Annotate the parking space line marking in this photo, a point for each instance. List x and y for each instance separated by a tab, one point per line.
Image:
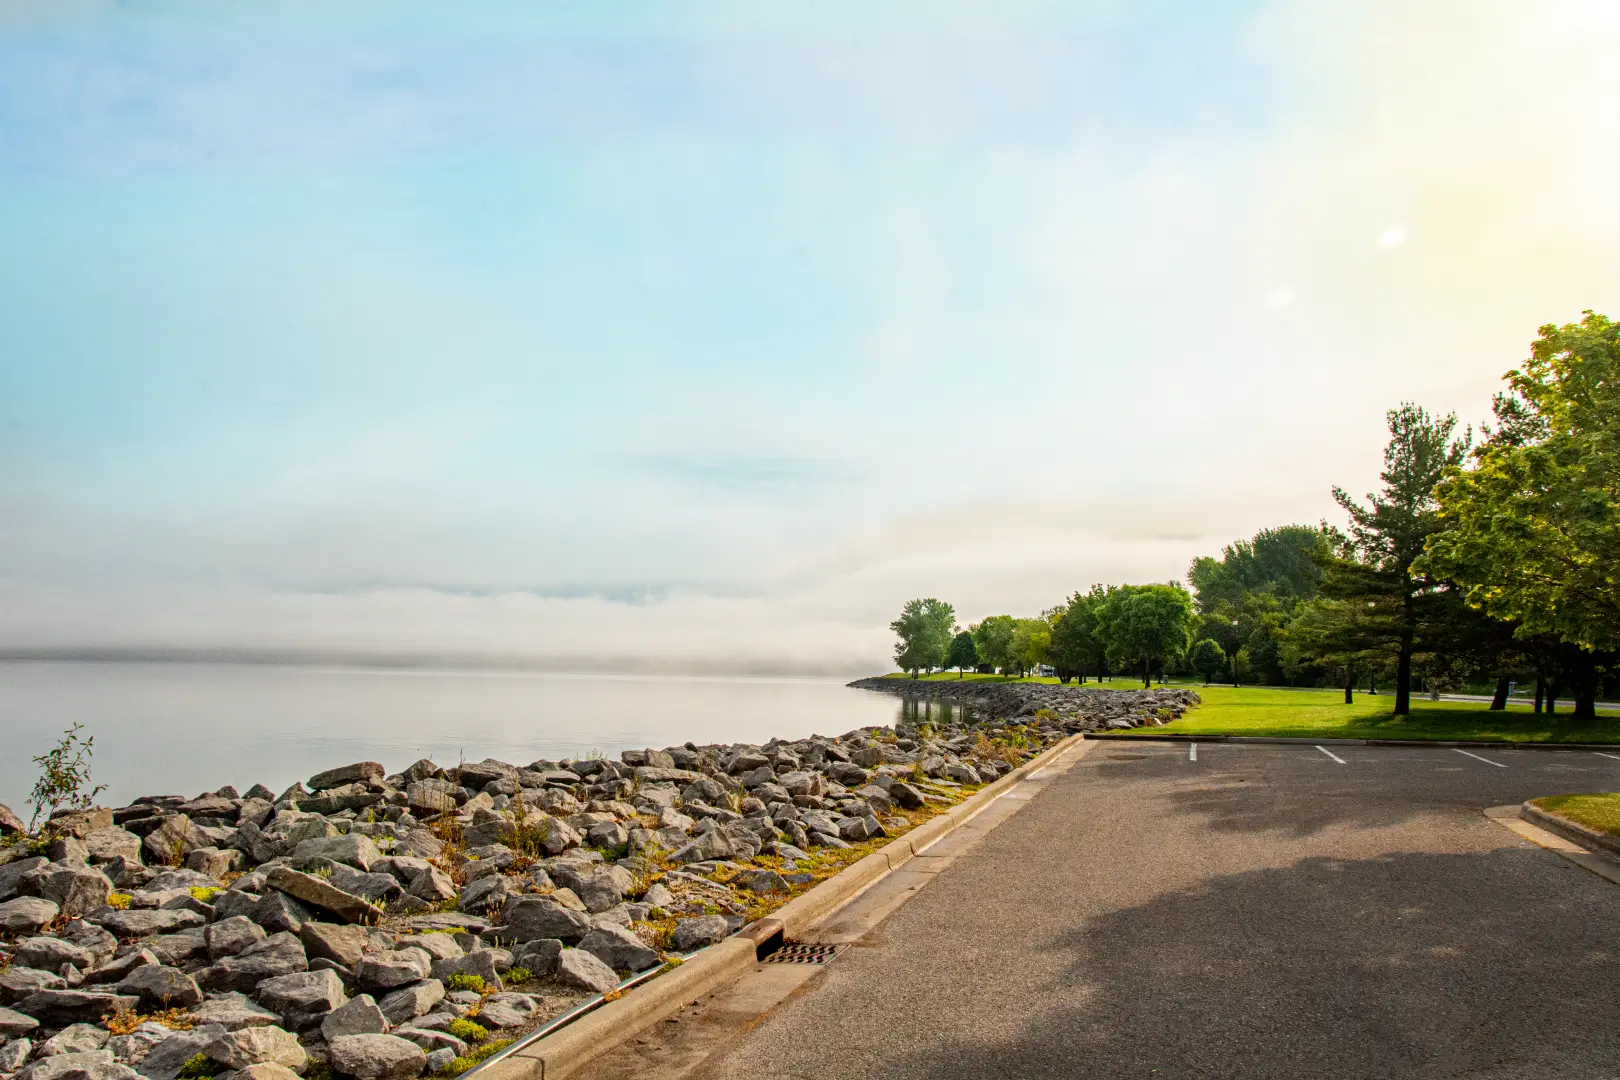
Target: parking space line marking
1611	757
1331	754
1192	751
1476	757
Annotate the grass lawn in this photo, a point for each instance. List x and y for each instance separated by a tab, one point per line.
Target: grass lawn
1322	714
1600	813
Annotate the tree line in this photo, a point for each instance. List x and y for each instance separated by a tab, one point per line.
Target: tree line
1490	559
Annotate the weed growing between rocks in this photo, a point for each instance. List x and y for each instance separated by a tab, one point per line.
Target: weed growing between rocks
64	777
467	1061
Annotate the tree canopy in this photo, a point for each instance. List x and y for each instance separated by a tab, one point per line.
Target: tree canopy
924	628
1146	624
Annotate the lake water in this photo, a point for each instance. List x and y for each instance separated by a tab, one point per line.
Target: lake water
171	728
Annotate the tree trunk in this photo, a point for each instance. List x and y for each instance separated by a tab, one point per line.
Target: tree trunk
1349	686
1147	674
1403	681
1553	690
1541	687
1499	699
1584	681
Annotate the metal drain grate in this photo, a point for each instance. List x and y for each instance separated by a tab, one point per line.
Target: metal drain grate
799	952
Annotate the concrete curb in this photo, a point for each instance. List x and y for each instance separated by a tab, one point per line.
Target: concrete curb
1448	744
575	1046
1569	830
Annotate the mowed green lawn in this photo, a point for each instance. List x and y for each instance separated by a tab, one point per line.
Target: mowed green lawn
1600	813
1322	714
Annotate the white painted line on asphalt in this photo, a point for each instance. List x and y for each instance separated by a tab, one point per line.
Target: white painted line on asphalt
1192	751
1331	754
1611	757
1476	757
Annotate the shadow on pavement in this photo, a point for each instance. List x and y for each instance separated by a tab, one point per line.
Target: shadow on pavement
1411	965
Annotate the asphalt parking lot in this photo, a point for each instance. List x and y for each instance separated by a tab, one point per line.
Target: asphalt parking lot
1223	910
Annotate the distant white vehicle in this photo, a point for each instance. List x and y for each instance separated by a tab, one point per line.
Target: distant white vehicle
1048	670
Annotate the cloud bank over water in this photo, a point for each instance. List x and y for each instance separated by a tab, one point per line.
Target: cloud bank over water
636	338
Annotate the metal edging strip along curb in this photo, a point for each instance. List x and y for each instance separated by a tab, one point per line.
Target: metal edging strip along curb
566	1049
1444	744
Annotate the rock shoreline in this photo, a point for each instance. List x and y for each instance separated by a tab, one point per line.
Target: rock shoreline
1080	708
382	925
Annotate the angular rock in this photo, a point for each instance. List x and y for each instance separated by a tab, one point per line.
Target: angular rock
358	1016
58	1008
26	914
530	917
213	861
255	1045
14	1024
575	967
179	950
105	845
17	983
361	772
700	932
486	894
92	1065
377	1057
12	873
74	1039
279	913
708	847
389	970
761	881
14	1054
619	949
351	850
233	1012
117	969
433	885
229	937
277	956
905	796
164	1060
340	944
303	999
409	1002
49	954
160	987
139	924
539	956
320	894
484	963
265	1070
598	887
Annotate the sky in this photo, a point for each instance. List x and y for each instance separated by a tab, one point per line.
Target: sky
705	335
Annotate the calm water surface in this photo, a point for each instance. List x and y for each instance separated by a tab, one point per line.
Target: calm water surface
188	728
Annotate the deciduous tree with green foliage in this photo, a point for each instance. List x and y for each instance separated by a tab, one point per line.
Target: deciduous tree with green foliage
1146	624
994	639
963	653
1075	648
1208	659
924	628
1533	526
1031	640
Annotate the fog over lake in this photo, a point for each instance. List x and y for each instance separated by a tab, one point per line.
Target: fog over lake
186	728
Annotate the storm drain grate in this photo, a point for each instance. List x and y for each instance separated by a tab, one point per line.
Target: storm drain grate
799	952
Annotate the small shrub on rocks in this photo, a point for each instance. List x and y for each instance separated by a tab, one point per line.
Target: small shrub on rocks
463	980
198	1066
519	975
467	1031
467	1061
118	901
205	893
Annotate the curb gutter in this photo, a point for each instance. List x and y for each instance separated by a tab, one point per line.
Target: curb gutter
573	1047
1569	830
1452	744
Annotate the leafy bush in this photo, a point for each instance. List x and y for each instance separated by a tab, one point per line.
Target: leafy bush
203	893
519	975
463	980
64	777
118	901
467	1030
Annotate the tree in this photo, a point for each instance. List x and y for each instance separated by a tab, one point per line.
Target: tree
963	653
924	628
1074	645
1388	535
1031	640
1209	659
1146	624
1534	525
994	639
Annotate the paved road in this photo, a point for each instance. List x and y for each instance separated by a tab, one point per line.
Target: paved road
1257	912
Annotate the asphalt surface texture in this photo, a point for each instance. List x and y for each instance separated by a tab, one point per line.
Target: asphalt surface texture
1257	912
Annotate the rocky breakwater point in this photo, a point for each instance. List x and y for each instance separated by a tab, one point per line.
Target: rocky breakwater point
1077	708
382	926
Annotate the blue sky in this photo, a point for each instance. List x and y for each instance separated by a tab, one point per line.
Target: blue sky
706	333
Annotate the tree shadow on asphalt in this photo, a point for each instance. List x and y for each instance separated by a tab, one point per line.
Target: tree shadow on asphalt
1412	965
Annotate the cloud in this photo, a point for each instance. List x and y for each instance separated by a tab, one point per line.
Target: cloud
1392	237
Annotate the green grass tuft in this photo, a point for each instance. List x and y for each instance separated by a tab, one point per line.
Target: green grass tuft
1600	813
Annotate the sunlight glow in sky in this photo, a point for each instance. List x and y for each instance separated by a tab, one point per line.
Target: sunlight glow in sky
616	333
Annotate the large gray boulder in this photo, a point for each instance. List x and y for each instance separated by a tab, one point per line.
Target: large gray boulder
339	944
346	907
12	873
361	772
105	845
253	1045
619	949
575	967
391	970
303	999
409	1002
144	923
377	1057
233	1012
232	936
59	1008
50	953
359	1016
599	887
14	1024
92	1065
352	849
26	914
17	983
700	932
275	956
163	1061
161	987
74	1039
530	917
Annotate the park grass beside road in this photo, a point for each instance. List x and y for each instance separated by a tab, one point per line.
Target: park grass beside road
1278	712
1600	813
